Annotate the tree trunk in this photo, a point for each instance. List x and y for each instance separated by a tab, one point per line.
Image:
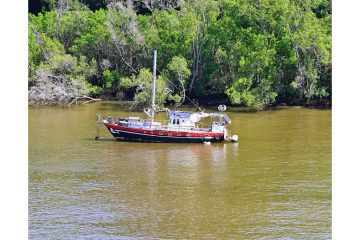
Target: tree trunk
197	50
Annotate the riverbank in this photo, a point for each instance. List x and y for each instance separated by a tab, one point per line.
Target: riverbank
127	105
213	101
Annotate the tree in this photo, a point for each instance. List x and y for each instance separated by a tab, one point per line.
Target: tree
178	70
311	41
127	39
60	77
255	86
143	83
152	5
203	13
254	53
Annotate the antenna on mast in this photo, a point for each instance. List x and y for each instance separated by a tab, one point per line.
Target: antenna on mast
153	89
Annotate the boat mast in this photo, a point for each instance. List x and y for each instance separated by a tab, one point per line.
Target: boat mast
153	89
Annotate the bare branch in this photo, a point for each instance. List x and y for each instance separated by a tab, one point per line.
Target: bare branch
151	5
56	89
122	25
83	97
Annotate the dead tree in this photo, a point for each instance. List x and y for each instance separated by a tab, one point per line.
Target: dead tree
58	89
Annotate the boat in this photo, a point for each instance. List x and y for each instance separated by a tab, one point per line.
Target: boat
180	127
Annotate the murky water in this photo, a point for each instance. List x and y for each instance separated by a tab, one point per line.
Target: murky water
275	183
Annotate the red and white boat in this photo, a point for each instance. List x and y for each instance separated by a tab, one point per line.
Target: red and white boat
181	126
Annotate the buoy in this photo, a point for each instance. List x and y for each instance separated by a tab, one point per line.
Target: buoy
234	138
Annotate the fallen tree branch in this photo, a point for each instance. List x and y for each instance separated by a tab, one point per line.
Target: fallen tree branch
58	89
83	97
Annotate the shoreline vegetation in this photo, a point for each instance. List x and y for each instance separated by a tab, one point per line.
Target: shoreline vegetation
128	105
242	53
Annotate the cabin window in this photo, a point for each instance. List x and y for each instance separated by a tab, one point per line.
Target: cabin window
174	121
178	122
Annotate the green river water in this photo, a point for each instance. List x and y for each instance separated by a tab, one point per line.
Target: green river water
274	183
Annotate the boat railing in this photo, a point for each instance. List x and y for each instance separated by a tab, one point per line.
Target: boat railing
184	128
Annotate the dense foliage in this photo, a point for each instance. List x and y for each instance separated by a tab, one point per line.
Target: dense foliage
251	52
